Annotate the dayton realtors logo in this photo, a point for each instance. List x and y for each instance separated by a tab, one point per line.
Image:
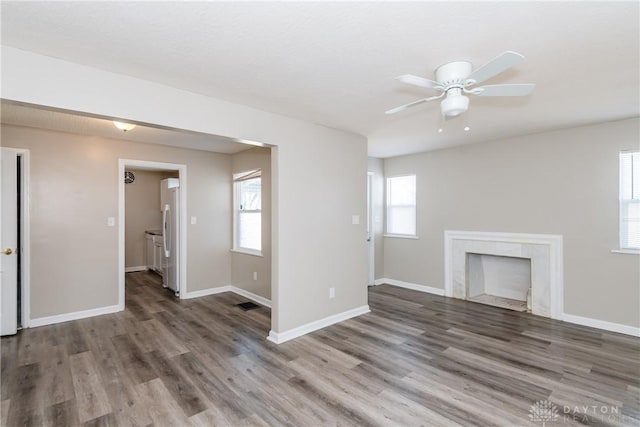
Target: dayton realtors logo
543	412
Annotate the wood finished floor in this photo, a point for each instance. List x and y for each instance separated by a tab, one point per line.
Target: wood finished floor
417	359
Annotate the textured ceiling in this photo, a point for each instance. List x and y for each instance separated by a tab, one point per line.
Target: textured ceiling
19	115
333	63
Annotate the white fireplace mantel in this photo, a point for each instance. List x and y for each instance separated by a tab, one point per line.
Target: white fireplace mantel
544	250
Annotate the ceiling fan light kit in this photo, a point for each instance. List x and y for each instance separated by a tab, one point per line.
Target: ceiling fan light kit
454	104
455	79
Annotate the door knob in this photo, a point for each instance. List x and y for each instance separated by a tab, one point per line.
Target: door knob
7	251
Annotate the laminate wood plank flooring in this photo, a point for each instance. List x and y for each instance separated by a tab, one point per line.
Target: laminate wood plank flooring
91	398
415	360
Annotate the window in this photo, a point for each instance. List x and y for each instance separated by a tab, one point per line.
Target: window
401	205
247	201
630	200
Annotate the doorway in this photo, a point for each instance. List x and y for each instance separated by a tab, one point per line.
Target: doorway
181	201
14	238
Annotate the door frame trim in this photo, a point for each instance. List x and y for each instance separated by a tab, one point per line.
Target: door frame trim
371	248
25	220
182	261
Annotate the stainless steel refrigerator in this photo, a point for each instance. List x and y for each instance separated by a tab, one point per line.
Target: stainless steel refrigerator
170	206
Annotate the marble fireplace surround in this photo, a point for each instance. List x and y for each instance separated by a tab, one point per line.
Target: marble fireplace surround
544	251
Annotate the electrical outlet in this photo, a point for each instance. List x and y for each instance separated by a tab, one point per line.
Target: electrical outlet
332	292
255	275
111	221
194	220
355	219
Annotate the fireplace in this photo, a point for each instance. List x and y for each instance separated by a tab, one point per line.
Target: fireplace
502	281
517	264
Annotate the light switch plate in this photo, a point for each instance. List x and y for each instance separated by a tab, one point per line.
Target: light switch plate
194	220
111	221
355	219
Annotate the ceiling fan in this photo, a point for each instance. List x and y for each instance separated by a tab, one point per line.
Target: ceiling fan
458	78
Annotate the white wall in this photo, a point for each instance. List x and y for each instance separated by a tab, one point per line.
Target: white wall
243	265
314	243
562	182
74	188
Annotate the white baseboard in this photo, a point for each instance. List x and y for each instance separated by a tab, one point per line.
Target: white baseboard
601	324
134	269
570	318
280	337
205	292
318	324
220	289
407	285
59	318
257	298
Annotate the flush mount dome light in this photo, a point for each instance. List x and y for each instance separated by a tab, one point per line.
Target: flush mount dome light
454	104
123	126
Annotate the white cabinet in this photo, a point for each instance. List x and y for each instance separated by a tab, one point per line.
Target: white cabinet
155	252
150	251
158	253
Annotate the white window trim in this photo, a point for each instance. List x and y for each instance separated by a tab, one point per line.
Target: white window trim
244	251
401	236
621	202
386	209
621	249
236	232
626	251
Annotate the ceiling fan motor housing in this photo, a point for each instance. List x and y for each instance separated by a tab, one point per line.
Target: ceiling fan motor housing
453	72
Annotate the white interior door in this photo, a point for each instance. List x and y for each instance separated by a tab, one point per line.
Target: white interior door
370	238
9	242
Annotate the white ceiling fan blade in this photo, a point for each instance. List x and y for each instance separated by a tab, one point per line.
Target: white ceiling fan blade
494	67
522	89
420	82
411	104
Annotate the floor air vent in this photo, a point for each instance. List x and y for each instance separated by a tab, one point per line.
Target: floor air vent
247	306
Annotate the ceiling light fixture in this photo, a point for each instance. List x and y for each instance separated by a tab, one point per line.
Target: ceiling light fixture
123	126
249	142
454	104
467	128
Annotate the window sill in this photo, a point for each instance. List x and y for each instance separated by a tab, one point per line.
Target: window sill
626	251
401	236
248	252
